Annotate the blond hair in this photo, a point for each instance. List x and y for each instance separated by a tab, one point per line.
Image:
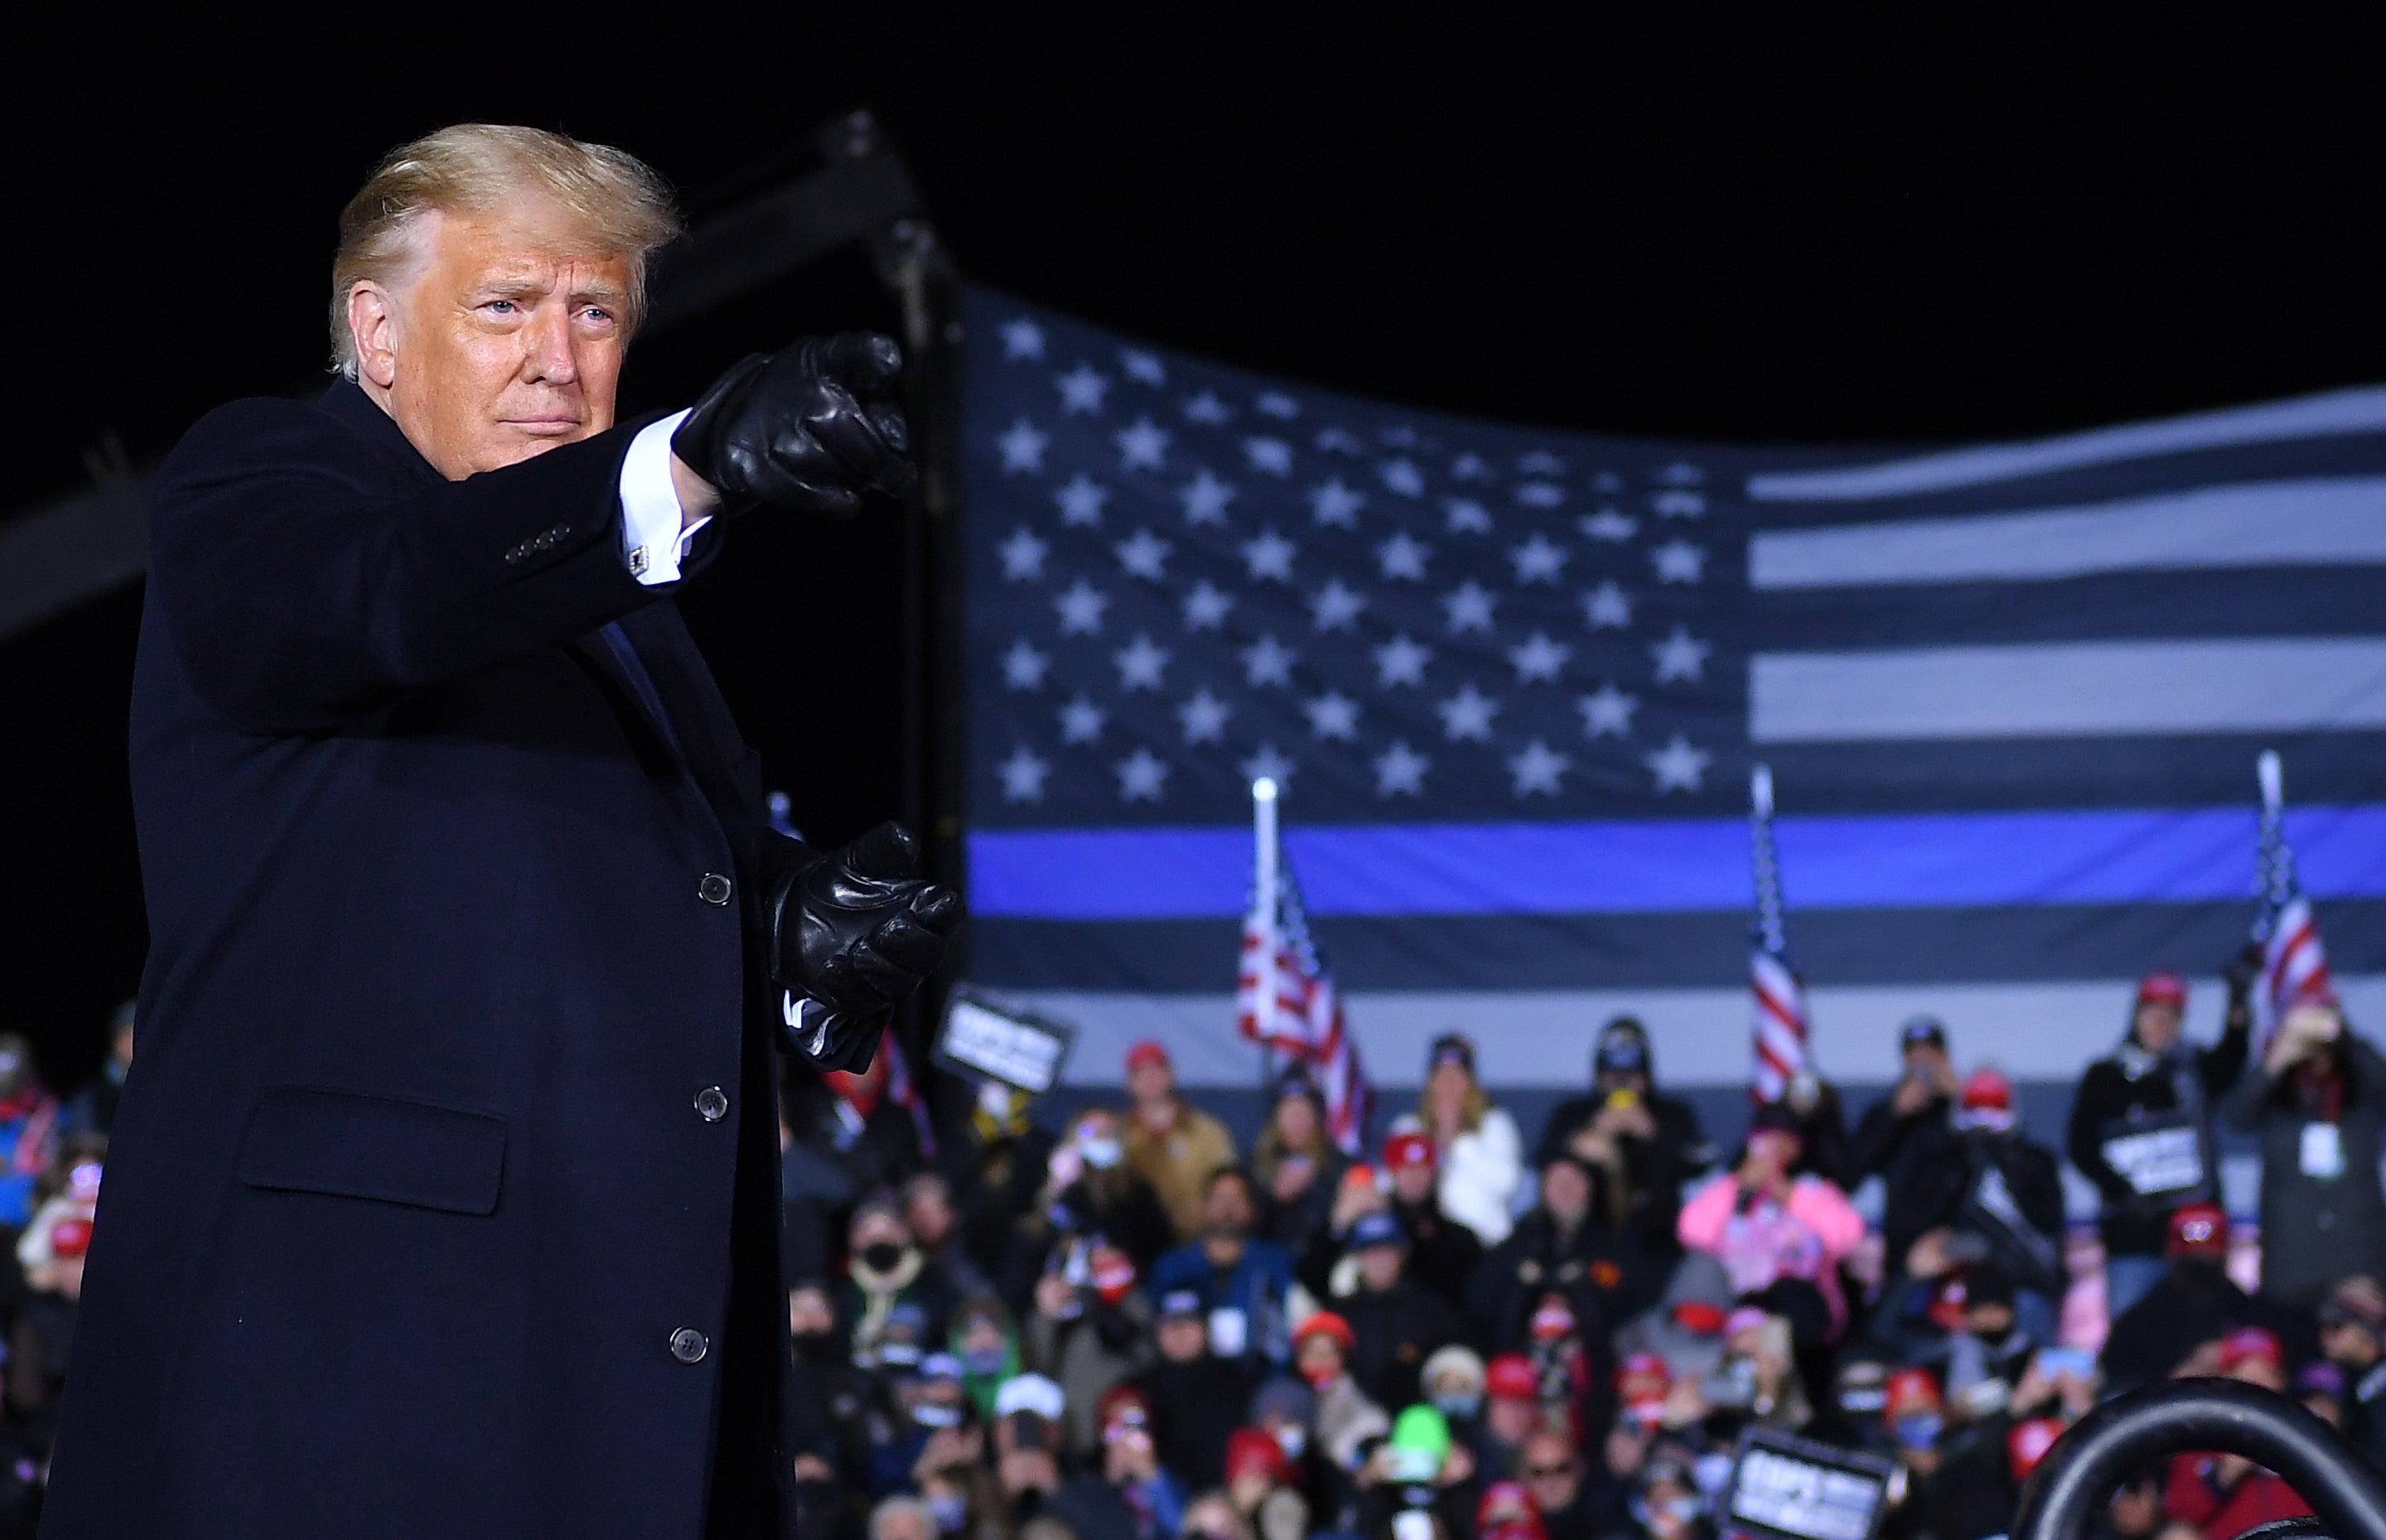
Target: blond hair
474	167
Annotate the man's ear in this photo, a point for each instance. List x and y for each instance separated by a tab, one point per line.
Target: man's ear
372	328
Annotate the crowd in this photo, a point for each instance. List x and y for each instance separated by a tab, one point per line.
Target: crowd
1124	1328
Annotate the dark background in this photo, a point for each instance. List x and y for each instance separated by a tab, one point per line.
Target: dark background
1782	225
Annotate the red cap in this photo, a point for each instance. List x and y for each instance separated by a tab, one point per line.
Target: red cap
1643	1366
1330	1324
1146	1052
2163	989
1699	1316
2250	1342
1254	1451
1509	1377
70	1237
1988	1088
1900	1390
1404	1151
2199	1230
1113	1274
2027	1444
1511	1501
1120	1400
1946	1309
1552	1320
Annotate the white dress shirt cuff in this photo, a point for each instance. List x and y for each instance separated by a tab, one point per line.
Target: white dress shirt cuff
653	545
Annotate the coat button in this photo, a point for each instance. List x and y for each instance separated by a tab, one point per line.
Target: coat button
711	1104
714	889
687	1345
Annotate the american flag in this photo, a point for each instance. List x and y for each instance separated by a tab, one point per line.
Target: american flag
1286	1001
1779	1040
2294	965
1512	681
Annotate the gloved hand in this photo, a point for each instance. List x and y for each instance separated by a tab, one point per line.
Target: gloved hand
811	427
857	932
2241	971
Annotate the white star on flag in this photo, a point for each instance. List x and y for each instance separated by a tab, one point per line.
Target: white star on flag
1144	555
1402	478
1539	462
1469	608
1678	505
1139	663
1022	339
1541	494
1022	448
1206	606
1608	525
1142	445
1337	441
1023	666
1270	455
1141	366
1536	560
1402	556
1469	468
1268	661
1538	658
1081	607
1334	608
1468	715
1680	657
1538	768
1400	770
1276	404
1607	480
1678	561
1206	407
1205	498
1081	501
1333	504
1022	556
1607	607
1466	516
1082	390
1605	710
1022	776
1681	474
1203	718
1400	661
1678	766
1268	765
1398	436
1081	720
1332	715
1141	775
1269	556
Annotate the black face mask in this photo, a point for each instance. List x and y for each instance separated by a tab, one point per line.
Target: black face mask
882	1256
817	1347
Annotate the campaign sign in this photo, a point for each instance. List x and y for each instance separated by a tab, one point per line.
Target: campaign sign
2158	1155
1783	1488
984	1036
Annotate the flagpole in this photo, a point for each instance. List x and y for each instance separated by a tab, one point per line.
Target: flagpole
2270	774
1264	905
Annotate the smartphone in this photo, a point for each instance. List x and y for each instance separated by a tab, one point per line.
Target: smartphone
2078	1362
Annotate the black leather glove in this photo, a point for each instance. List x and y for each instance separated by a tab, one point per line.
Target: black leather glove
809	427
2241	971
857	932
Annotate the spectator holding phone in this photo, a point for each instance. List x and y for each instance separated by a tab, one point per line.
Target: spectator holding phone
1923	1098
1780	1236
2141	1126
1626	1122
1475	1145
1978	1193
1295	1161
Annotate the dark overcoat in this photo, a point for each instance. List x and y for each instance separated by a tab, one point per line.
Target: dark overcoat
441	1201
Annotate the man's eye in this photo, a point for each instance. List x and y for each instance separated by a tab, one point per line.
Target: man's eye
597	313
499	307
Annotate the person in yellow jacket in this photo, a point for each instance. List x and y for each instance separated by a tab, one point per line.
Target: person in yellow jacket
1170	1144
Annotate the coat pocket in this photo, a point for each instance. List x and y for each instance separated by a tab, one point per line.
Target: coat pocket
359	1143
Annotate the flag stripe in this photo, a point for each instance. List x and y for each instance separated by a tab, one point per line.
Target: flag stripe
2072	690
2330	415
2094	857
2321	521
1659	951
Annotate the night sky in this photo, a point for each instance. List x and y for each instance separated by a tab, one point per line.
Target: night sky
1794	225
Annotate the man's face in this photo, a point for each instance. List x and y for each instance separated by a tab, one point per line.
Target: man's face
807	1311
2157	1026
930	1213
1379	1266
1512	1419
1152	1081
1183	1338
1413	1182
1227	1208
1548	1468
903	1524
1566	1191
506	343
1926	1060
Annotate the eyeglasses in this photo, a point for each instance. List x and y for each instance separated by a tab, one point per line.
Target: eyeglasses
1546	1472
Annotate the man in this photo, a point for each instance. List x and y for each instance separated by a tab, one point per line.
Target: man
1241	1281
1560	1245
2353	1338
2318	1101
2225	1496
1396	1322
1980	1192
2141	1125
1170	1144
1442	1253
2193	1302
1551	1471
1196	1399
1922	1098
1626	1122
442	1199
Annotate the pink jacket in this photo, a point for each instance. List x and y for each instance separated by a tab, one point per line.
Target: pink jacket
1766	1240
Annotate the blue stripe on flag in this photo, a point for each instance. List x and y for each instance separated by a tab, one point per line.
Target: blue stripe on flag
2119	856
